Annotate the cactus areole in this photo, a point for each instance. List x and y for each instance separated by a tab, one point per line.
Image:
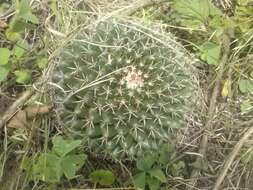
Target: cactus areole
122	88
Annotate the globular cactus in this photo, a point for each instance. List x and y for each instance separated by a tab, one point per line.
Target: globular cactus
122	88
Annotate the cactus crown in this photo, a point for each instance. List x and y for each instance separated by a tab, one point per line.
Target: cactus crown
122	89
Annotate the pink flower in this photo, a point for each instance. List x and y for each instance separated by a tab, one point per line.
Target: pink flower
134	79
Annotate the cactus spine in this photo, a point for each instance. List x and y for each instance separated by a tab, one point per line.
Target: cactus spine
122	89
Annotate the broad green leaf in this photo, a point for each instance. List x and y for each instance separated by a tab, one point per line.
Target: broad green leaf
4	56
103	177
42	62
17	25
24	11
139	180
23	76
70	164
31	17
20	48
4	71
63	147
194	13
246	86
153	183
23	7
210	52
246	106
48	168
165	153
158	174
12	36
145	163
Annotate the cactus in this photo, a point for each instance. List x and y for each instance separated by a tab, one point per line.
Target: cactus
122	88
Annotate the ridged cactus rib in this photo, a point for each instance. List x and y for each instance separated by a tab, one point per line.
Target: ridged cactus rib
122	90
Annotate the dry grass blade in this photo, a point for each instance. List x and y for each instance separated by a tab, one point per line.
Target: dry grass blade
231	158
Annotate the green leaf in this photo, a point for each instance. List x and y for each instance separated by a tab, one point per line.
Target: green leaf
165	153
103	177
139	180
158	174
246	106
20	48
246	86
17	25
146	163
4	71
4	56
194	13
71	164
30	17
210	52
48	168
23	76
12	36
42	62
153	183
63	147
25	12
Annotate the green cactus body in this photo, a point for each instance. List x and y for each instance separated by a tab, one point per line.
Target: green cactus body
122	89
